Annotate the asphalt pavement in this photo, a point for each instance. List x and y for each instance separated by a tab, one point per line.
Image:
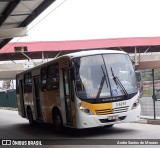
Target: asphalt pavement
12	126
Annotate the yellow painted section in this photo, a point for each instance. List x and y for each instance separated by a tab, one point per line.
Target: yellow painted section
94	107
49	99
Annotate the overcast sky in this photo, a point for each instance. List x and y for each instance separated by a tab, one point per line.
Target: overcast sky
95	19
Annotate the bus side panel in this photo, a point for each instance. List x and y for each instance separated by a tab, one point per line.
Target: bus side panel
49	99
54	98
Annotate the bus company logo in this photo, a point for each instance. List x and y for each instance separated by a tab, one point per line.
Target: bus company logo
6	142
112	99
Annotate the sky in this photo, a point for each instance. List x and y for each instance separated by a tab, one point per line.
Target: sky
95	19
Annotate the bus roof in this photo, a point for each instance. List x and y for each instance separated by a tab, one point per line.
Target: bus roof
77	54
92	52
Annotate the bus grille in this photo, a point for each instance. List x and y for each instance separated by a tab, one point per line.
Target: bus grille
120	109
103	112
112	111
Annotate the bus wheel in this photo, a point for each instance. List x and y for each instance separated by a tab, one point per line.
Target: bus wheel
57	121
30	116
108	126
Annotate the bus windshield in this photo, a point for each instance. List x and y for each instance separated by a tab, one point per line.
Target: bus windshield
104	76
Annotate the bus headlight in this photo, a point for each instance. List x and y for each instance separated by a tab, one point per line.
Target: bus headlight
85	110
135	104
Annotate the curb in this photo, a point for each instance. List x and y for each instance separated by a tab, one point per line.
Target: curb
152	121
149	121
143	121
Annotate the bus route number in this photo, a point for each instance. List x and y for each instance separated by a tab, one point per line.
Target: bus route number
121	104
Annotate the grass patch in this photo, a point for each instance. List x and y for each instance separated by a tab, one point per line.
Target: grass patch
147	93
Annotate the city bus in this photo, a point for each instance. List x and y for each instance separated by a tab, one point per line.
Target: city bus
93	88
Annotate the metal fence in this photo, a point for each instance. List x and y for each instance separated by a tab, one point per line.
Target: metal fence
8	98
150	107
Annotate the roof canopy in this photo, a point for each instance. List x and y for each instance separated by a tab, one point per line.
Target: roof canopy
15	15
126	44
51	48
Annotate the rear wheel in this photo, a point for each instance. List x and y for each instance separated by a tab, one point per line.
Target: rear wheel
57	121
30	116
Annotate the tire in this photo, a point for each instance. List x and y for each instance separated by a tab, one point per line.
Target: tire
57	121
108	126
30	117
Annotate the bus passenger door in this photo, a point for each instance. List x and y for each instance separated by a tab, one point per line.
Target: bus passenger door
37	96
21	96
67	96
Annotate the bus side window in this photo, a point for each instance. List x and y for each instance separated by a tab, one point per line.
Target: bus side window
53	76
27	83
43	79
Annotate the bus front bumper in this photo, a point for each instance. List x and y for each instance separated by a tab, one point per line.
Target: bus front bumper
89	121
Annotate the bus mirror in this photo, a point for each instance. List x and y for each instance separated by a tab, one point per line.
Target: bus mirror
76	63
79	85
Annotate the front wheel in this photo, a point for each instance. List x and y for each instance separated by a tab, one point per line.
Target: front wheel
57	121
108	126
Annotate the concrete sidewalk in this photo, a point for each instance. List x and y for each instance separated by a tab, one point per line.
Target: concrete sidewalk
149	121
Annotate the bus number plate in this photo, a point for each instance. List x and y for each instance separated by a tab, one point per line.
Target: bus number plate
115	117
121	104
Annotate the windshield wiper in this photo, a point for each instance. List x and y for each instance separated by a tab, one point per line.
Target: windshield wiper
118	82
101	84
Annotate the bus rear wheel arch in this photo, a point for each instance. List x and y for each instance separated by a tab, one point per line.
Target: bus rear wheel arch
57	119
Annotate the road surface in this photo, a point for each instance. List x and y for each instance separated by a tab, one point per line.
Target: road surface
12	126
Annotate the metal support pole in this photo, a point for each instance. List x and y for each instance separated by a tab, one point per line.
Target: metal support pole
28	58
139	56
154	98
135	54
57	55
43	57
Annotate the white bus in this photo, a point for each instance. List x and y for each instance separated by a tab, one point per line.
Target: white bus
80	90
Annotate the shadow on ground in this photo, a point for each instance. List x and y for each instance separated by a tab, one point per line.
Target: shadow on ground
24	130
